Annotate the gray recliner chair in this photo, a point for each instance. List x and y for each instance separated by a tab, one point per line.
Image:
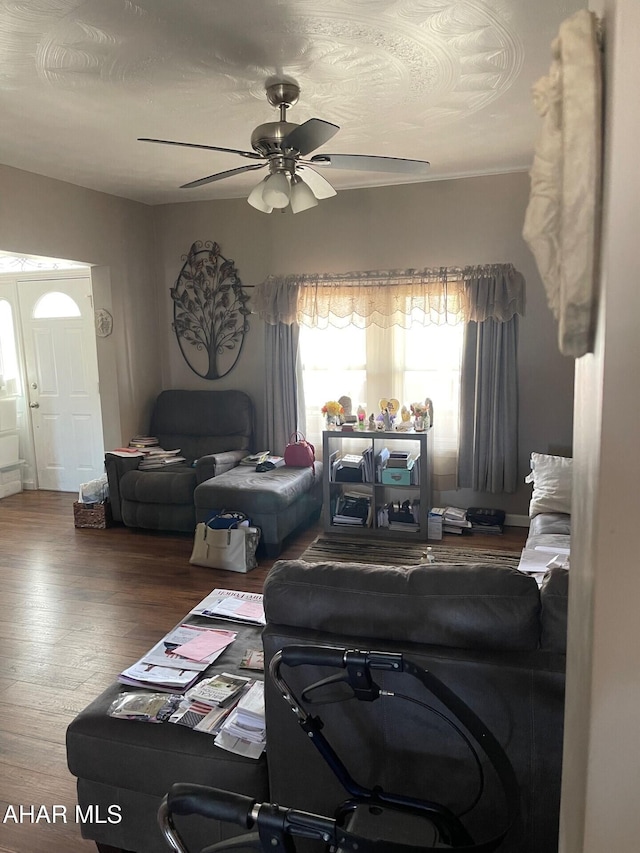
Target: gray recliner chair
212	429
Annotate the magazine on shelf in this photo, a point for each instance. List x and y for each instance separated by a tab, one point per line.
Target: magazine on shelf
245	607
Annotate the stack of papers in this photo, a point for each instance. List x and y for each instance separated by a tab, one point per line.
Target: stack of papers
244	731
177	660
246	607
454	519
538	560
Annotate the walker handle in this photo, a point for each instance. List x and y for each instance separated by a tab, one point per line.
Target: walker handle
187	799
340	658
314	655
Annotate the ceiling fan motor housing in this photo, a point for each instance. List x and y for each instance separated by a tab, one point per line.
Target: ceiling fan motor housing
267	138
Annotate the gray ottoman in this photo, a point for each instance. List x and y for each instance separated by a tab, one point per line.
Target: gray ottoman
133	764
276	501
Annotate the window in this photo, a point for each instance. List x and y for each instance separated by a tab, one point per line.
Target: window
55	305
8	353
373	363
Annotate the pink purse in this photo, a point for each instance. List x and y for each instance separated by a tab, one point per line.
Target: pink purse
299	453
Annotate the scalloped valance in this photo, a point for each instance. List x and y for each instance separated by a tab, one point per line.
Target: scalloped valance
393	298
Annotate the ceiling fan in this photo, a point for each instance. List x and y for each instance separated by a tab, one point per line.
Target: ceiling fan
284	148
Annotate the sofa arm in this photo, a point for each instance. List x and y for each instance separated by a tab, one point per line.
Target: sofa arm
217	463
116	467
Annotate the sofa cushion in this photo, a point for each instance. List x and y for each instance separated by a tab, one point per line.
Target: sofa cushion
173	486
466	606
258	493
552	478
554	594
202	422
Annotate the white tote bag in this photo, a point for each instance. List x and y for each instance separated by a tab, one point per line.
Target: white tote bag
232	548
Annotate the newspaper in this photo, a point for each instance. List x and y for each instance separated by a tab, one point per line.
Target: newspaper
246	607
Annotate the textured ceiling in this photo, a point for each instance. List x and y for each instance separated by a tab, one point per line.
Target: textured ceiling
438	80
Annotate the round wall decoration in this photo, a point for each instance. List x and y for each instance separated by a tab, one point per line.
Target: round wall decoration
210	314
104	323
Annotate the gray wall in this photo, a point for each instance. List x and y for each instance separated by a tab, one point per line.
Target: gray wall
41	216
466	221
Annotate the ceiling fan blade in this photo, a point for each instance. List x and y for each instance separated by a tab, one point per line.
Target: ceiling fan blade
365	163
219	176
310	135
252	154
318	184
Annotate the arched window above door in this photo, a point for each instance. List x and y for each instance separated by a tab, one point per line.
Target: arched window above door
55	305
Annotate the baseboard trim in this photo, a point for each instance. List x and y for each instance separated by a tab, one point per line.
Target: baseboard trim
517	520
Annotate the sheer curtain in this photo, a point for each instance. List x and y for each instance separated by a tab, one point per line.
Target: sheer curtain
374	363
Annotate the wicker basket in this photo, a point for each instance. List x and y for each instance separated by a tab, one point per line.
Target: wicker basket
97	516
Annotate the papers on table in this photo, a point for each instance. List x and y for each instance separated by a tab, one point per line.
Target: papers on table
231	604
164	668
549	549
538	560
162	678
244	731
167	651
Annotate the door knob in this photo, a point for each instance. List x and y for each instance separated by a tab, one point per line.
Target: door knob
34	405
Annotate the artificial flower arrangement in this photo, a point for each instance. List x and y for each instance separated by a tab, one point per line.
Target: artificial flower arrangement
332	408
418	410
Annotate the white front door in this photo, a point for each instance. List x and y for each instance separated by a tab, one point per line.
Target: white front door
62	381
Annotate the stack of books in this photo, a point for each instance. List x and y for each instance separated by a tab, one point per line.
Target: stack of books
159	458
454	519
398	459
154	455
144	442
349	468
352	510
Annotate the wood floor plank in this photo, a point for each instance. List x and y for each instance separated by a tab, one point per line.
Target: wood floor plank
76	607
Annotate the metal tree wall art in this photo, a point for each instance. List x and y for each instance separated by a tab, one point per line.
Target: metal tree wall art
209	311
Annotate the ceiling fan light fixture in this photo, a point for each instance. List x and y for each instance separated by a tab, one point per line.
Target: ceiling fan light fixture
302	197
276	191
256	200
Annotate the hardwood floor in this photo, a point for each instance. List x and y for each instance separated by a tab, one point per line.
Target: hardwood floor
77	606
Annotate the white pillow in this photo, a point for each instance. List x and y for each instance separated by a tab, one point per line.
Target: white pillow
552	478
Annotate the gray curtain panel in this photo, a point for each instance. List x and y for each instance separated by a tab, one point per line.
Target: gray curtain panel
488	458
281	399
